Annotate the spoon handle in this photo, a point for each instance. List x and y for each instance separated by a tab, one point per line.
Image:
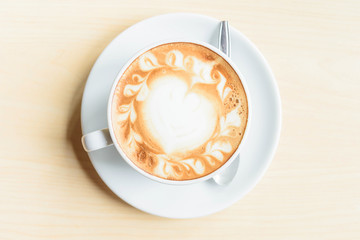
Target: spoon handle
224	38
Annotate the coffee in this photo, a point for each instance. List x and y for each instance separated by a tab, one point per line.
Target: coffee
179	111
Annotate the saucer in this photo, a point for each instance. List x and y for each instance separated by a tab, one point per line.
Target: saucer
195	200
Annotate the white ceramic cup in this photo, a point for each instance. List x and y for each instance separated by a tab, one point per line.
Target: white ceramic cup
105	137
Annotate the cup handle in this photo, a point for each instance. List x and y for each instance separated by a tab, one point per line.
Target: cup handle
96	140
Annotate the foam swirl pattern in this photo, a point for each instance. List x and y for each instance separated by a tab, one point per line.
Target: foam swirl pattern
179	111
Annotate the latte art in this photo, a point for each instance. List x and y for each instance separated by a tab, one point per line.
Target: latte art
179	111
178	119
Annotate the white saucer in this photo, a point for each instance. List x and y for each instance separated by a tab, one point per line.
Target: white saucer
197	199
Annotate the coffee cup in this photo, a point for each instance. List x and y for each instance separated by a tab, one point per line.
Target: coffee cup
178	113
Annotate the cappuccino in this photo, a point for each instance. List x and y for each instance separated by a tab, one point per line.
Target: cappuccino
179	111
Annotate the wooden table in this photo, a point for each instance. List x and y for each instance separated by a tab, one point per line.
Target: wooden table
48	187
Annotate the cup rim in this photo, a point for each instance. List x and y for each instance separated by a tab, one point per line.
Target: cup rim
131	163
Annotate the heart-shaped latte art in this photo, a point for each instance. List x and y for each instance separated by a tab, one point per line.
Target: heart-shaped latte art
176	118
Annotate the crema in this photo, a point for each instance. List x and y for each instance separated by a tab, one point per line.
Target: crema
179	111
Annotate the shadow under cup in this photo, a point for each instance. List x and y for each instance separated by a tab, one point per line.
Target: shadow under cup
178	112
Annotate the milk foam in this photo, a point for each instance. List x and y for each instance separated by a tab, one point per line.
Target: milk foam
179	111
180	120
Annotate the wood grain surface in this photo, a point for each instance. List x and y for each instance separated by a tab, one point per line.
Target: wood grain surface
48	187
